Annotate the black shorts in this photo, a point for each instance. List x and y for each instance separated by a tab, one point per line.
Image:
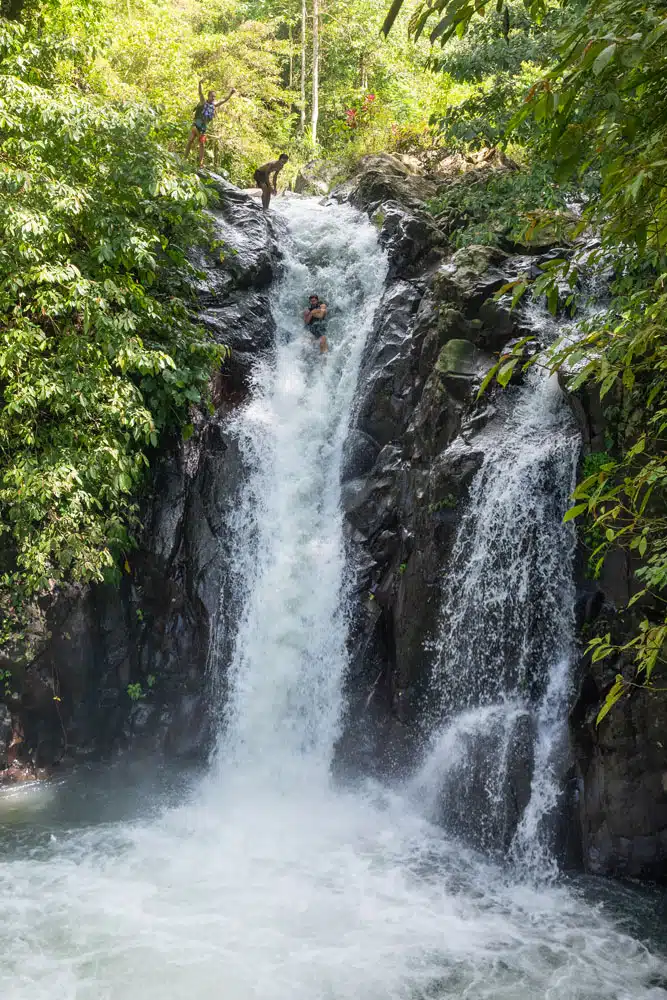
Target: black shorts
261	178
317	330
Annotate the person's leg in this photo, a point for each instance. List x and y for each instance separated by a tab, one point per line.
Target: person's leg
193	136
324	347
202	141
266	195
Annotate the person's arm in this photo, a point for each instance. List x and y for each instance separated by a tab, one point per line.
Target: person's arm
307	315
201	92
225	99
276	171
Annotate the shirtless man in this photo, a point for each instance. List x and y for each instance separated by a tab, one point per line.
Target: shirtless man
204	115
263	177
315	319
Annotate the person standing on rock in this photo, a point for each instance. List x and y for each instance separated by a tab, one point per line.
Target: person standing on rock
263	178
315	319
204	115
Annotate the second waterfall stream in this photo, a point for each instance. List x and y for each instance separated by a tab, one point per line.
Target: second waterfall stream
267	880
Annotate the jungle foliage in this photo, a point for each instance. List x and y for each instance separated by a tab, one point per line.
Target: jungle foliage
98	353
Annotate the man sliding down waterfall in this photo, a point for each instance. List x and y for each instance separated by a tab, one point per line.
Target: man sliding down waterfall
315	319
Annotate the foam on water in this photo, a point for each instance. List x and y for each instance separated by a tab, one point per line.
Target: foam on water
266	880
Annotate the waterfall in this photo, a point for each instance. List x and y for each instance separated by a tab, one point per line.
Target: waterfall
289	655
264	878
506	638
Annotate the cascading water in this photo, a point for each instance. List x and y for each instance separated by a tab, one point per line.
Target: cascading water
266	880
506	642
286	674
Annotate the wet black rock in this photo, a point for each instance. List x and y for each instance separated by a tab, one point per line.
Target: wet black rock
359	453
620	765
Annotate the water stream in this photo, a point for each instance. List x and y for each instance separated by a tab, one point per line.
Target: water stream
262	878
506	642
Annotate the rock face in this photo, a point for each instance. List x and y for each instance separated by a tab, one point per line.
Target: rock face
411	453
98	646
620	765
409	460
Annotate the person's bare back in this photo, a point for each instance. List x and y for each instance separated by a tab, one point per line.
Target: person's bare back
263	178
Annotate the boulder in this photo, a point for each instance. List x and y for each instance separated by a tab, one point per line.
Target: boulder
410	235
359	454
381	177
621	768
317	177
385	377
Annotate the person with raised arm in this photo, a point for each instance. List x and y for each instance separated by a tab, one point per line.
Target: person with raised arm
204	115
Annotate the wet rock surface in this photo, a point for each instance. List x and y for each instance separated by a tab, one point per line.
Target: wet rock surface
432	340
437	329
620	766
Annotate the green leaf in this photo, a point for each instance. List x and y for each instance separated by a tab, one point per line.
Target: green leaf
574	512
488	378
604	59
506	371
607	384
614	695
392	14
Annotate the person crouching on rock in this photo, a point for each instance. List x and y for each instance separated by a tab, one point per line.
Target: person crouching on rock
263	178
204	115
315	319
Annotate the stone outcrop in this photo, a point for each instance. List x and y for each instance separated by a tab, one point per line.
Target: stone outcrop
409	460
94	647
620	766
411	454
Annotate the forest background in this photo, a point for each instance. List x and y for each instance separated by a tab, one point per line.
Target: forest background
99	354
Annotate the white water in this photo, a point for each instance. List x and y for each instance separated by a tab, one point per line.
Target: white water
506	645
267	881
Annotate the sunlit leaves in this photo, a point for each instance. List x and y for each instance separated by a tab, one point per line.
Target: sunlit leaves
98	353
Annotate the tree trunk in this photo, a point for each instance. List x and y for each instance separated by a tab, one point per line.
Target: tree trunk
315	107
291	59
303	66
